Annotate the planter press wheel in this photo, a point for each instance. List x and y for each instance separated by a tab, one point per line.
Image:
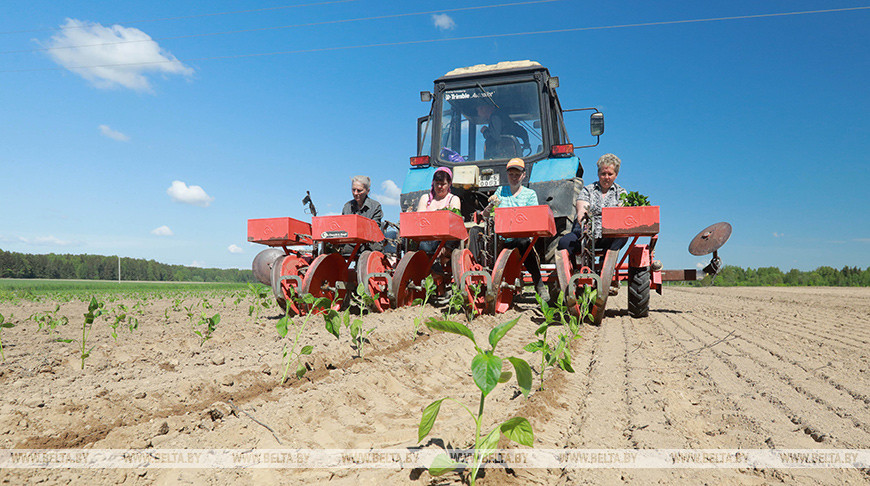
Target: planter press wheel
507	269
461	262
412	269
563	276
287	273
323	278
371	262
607	269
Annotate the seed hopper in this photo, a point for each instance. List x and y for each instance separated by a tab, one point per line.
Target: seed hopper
290	270
603	270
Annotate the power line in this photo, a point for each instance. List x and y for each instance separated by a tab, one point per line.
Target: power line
265	9
431	41
263	29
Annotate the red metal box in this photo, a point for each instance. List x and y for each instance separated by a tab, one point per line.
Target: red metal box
347	228
432	225
630	221
279	231
525	221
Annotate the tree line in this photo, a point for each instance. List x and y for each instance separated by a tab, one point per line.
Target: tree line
98	267
771	276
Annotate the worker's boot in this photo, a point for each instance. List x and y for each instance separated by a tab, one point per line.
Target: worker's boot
541	289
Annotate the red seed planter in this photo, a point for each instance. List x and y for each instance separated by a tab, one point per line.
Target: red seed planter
630	221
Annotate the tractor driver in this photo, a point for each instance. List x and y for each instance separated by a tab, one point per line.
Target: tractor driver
514	195
500	124
365	206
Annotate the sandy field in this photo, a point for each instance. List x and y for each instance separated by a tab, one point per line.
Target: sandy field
710	368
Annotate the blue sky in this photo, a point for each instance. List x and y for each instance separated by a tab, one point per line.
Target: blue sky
761	122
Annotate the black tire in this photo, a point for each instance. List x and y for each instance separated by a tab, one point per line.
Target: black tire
638	292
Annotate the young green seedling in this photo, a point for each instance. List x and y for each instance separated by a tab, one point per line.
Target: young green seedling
456	302
559	355
486	371
358	333
95	309
4	325
290	356
119	317
429	288
49	319
476	289
190	310
210	324
261	299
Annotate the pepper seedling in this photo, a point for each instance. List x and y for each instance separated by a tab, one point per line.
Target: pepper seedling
486	371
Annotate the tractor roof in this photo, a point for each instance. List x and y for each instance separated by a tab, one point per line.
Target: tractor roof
479	69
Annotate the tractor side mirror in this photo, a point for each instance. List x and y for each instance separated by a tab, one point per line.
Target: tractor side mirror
596	124
425	96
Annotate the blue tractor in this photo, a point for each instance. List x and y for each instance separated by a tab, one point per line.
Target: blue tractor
482	116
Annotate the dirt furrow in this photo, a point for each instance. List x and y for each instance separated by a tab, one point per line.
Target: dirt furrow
804	377
604	422
817	419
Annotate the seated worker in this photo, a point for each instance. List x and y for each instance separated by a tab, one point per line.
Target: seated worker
365	206
602	194
514	195
439	198
500	124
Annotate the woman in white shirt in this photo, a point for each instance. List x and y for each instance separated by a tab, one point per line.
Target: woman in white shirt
439	196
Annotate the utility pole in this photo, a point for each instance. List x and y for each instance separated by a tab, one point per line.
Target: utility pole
119	268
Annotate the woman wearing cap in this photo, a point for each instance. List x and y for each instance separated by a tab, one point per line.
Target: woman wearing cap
514	195
439	198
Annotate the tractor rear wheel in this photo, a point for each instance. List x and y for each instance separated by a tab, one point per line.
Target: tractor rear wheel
638	292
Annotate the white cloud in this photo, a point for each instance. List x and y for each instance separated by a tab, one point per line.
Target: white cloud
40	241
162	231
111	57
443	22
114	135
390	196
235	249
195	195
197	264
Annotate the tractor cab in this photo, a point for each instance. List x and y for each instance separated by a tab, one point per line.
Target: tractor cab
481	117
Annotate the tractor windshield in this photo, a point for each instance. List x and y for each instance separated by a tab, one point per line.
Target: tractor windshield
490	123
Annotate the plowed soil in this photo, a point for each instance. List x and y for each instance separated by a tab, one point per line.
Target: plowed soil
709	368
